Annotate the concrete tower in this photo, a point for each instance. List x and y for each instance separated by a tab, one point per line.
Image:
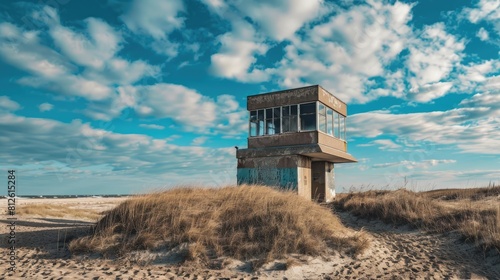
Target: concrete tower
295	138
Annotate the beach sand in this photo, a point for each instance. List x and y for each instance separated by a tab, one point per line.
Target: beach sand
395	253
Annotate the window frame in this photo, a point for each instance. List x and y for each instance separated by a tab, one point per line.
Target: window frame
308	114
338	121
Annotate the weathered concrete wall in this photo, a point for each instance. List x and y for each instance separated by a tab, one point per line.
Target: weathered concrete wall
329	181
270	176
287	139
281	98
331	141
290	172
286	161
296	96
323	181
304	181
297	138
331	101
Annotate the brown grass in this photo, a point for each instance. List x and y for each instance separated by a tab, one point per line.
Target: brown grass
475	213
458	194
51	210
246	222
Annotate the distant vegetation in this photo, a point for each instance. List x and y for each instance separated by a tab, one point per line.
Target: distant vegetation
246	222
53	210
475	213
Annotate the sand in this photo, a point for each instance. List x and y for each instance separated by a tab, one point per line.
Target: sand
394	253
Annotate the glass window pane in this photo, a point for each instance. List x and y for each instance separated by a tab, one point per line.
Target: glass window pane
286	124
260	114
308	116
269	122
293	118
277	112
322	123
270	127
277	125
308	108
269	113
260	125
336	122
329	121
308	122
293	123
253	129
321	109
253	123
322	117
342	128
277	119
285	111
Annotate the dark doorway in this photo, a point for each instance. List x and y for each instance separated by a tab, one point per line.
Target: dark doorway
318	181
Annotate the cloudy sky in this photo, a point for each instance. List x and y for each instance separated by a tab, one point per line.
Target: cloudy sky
117	96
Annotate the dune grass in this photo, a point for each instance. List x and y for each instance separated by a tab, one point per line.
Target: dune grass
58	211
430	211
245	222
460	194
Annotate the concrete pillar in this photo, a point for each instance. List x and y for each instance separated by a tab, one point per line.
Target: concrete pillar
329	181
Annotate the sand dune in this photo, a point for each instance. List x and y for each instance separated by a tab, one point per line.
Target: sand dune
394	253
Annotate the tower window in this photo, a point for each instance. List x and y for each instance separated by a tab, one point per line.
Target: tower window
308	116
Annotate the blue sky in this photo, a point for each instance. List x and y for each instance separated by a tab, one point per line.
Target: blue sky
113	96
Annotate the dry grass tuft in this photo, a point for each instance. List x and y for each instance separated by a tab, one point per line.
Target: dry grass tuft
59	211
457	194
246	222
428	211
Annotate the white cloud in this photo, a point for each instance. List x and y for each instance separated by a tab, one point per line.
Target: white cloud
93	50
152	126
275	21
192	108
77	149
280	19
482	34
45	107
97	51
479	77
123	72
487	14
429	92
156	19
485	10
347	49
186	106
50	70
415	164
22	49
8	104
433	56
237	54
71	85
199	141
348	52
473	128
386	144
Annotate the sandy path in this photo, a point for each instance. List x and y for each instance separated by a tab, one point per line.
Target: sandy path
404	253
